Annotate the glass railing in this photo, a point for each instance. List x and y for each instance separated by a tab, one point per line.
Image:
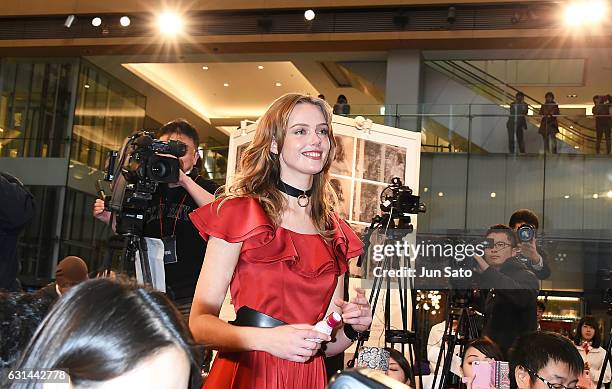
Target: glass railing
485	128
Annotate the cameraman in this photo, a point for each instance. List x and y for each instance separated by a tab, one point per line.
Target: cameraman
510	307
167	216
535	258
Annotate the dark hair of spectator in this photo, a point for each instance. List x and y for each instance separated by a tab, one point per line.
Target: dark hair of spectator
101	329
590	321
180	126
519	94
486	346
549	94
525	216
536	349
341	99
541	305
502	228
402	362
20	314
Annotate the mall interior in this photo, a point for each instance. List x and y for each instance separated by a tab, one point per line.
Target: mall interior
78	77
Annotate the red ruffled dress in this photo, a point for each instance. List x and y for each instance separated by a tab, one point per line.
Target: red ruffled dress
284	274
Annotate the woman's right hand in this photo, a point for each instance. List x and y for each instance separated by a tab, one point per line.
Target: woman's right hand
99	212
289	342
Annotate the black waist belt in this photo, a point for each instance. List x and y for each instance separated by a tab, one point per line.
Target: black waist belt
249	317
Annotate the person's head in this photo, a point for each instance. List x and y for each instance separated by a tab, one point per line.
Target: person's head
540	309
523	216
588	331
294	143
20	314
182	130
481	349
504	245
550	97
547	355
70	271
115	333
520	96
341	99
597	99
399	368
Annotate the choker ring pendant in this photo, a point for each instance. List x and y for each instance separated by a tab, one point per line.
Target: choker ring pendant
303	200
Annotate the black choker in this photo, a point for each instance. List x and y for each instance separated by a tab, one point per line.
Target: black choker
303	196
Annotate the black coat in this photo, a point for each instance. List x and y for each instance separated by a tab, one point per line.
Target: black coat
510	307
16	210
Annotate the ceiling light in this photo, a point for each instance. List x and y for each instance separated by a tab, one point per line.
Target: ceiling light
86	86
226	84
609	194
169	23
309	15
125	21
278	84
585	13
493	194
595	195
96	22
572	96
576	147
425	189
204	67
260	67
69	21
440	194
566	196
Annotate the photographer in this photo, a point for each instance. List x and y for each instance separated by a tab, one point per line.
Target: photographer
167	216
534	257
510	307
17	208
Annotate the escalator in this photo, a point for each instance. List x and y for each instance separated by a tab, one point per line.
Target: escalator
575	134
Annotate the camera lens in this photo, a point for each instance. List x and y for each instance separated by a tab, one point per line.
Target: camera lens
159	169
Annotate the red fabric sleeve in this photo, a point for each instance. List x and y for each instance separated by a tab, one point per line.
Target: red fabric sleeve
235	220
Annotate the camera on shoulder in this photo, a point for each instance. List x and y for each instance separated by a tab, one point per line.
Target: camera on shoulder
136	173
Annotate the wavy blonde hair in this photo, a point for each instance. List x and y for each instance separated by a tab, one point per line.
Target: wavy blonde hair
260	168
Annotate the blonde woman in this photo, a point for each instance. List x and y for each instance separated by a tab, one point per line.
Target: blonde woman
275	240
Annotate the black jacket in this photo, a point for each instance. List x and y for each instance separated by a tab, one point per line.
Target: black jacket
543	273
16	210
510	307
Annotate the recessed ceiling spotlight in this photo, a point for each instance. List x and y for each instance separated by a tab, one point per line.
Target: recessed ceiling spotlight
169	23
572	96
96	22
86	86
309	15
69	20
278	84
226	84
204	67
125	21
566	196
260	67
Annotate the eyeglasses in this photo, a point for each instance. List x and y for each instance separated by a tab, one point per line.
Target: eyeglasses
548	383
500	245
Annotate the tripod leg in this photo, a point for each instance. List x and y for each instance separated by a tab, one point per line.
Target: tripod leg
144	261
605	363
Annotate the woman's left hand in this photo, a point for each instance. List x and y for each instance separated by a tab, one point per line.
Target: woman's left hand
356	312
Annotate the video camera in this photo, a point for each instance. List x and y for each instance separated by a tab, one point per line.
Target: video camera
136	175
397	198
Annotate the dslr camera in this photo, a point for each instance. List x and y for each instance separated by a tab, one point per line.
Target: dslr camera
136	173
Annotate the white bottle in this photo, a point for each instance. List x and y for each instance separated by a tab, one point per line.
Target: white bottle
327	325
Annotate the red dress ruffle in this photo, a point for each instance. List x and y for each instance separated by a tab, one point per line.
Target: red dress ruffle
285	274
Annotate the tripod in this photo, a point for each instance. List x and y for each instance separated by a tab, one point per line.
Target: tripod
393	231
458	311
604	366
128	245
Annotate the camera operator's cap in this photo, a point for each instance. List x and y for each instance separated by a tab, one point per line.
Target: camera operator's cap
71	271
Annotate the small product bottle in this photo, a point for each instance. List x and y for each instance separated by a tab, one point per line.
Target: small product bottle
327	325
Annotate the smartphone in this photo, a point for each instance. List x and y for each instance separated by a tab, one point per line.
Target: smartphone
483	373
